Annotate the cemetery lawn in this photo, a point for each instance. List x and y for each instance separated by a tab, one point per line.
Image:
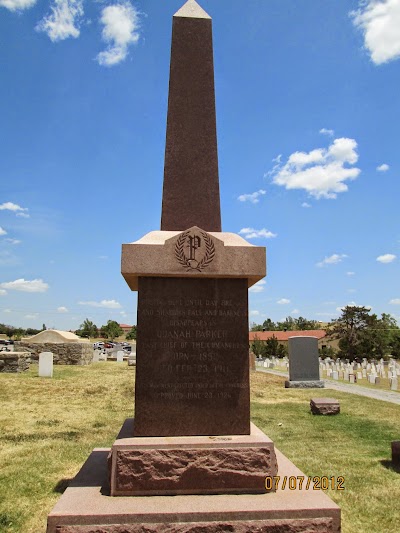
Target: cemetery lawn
355	444
48	427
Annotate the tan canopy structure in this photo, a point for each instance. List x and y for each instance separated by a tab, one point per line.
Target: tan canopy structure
54	336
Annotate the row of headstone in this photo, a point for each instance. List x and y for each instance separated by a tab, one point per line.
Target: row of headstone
372	372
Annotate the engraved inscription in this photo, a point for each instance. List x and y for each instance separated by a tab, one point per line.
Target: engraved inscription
192	351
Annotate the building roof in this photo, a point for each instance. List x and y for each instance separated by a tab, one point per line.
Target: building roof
284	335
124	326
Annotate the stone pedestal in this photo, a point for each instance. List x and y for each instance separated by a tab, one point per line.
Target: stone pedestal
191	465
87	507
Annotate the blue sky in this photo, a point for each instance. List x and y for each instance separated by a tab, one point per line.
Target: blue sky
308	116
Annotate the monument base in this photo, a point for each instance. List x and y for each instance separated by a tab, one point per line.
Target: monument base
87	507
151	466
316	384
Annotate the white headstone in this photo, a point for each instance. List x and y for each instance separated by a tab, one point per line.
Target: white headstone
335	374
46	365
352	378
120	356
96	356
393	384
359	375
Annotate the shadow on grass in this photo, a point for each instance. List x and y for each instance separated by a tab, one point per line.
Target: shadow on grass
389	465
62	485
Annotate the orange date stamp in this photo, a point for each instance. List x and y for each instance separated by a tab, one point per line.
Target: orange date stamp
304	482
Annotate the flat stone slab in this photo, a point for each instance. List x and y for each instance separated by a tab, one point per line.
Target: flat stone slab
324	406
191	465
317	384
86	507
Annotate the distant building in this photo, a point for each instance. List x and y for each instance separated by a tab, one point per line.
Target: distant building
125	328
283	336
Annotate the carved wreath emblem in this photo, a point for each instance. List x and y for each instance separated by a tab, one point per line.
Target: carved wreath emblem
192	242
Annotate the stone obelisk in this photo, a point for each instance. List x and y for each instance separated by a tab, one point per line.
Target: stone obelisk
191	186
191	460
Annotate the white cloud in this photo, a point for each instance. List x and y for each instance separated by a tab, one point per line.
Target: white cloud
351	290
107	304
254	313
383	168
283	301
379	20
13	241
306	205
62	309
35	285
395	301
121	28
386	258
17	209
258	287
2	231
295	312
324	131
7	310
251	233
254	197
64	20
321	172
3	292
332	260
17	5
32	316
350	273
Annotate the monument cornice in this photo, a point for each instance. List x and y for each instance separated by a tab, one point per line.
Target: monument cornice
192	253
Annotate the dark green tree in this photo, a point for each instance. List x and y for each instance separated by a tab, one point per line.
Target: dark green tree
87	329
257	346
349	329
131	335
111	330
269	325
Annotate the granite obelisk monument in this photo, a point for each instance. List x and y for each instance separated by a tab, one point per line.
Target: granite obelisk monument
191	460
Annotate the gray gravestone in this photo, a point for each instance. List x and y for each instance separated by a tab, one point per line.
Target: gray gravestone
303	363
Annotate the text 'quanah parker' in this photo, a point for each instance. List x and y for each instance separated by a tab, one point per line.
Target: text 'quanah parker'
193	334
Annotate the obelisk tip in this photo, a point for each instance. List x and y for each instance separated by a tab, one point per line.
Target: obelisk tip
192	10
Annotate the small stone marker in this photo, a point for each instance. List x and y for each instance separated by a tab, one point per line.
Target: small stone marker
393	384
396	452
352	378
46	365
132	360
359	375
303	363
324	406
335	374
120	356
96	356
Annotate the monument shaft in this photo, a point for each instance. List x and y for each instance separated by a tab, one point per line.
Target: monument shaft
191	185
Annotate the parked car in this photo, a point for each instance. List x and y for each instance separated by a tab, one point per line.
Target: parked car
98	345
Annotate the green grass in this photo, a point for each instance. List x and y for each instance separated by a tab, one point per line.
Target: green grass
355	444
48	427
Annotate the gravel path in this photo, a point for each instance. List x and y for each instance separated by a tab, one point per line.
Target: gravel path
386	396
